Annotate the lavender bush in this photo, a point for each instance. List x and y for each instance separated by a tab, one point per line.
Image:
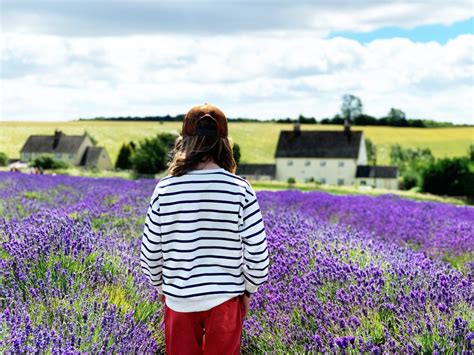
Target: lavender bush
348	274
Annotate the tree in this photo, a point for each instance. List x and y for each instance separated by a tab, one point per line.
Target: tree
449	176
371	151
124	156
470	152
236	153
351	107
396	113
152	154
3	159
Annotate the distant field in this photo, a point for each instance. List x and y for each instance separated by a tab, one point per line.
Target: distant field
257	140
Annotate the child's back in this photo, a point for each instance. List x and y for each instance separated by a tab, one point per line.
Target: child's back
206	240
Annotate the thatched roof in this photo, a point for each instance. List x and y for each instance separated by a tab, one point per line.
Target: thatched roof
57	143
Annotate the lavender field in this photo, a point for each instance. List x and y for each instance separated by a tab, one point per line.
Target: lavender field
348	274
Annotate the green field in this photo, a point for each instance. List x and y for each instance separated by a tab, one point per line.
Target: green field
257	139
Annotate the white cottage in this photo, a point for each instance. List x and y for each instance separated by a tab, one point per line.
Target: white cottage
330	157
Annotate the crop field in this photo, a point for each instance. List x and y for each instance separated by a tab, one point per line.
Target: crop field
348	273
257	140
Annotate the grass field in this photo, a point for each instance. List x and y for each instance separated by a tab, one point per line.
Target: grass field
257	140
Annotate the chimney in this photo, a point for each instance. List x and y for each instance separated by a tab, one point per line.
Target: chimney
347	129
57	136
296	129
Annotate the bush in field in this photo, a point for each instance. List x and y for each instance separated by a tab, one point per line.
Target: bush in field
47	161
124	156
3	159
449	176
152	154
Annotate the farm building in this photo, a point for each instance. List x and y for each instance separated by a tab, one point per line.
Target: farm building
330	157
256	171
75	150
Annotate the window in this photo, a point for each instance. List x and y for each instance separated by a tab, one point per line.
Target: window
341	163
307	163
290	162
322	163
363	182
27	156
323	180
71	155
340	181
58	155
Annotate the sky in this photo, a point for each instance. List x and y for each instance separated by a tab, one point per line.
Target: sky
63	60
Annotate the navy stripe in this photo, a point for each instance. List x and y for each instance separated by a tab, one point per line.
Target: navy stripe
253	224
253	283
204	265
201	182
202	200
256	277
250	215
250	204
155	223
199	191
239	292
206	256
200	229
256	261
205	284
204	274
259	269
258	252
200	238
198	220
254	234
157	234
151	267
146	257
151	242
253	245
203	247
151	251
198	210
145	268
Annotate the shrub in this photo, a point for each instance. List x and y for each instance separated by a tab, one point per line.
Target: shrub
152	154
449	176
124	156
47	161
291	180
3	159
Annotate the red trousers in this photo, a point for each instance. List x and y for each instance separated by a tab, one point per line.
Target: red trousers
215	331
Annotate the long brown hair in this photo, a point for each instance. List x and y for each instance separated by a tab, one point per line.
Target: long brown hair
189	151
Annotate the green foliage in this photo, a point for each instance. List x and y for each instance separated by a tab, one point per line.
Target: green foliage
351	107
291	180
371	151
152	154
47	161
470	152
236	153
3	159
449	176
124	156
411	163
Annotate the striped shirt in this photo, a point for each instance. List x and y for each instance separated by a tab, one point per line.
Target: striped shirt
204	239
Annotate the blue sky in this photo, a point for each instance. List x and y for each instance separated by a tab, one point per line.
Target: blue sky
61	60
437	32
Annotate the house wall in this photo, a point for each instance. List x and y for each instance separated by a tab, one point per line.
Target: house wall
331	171
104	162
381	183
362	155
82	148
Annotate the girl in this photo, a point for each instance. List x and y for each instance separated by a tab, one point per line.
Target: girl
204	243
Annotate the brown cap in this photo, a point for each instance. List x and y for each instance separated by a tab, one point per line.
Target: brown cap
192	118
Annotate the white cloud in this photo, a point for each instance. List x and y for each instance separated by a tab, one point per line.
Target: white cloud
270	75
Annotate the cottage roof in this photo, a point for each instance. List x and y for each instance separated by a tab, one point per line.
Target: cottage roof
378	171
91	156
318	144
60	143
256	169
